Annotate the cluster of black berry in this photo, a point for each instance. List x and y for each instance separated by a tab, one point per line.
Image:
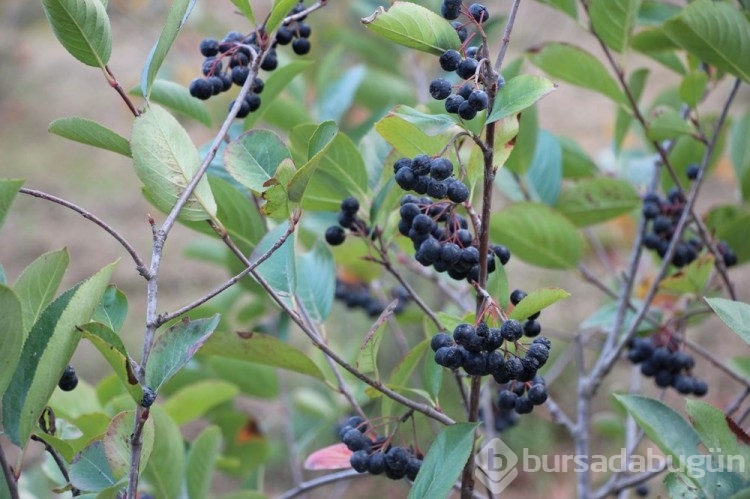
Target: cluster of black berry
667	365
477	351
663	215
348	219
378	456
359	295
442	238
228	61
469	99
431	176
504	419
69	380
522	396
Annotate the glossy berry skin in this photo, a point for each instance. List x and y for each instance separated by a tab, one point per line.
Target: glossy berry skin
450	357
453	102
478	100
466	112
355	440
301	46
692	171
201	88
467	68
209	47
335	235
377	464
479	12
449	60
68	380
458	192
516	296
350	205
441	168
412	468
511	330
441	340
397	458
440	88
360	461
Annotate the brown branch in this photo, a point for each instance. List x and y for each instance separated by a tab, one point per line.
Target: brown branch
10	478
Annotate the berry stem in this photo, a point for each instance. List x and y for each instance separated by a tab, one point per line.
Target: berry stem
120	91
506	35
10	478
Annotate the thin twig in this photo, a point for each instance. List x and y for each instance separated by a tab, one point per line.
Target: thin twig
164	318
59	461
139	263
319	482
10	478
120	91
506	35
559	417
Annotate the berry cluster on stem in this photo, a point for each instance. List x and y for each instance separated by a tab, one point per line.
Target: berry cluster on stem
669	366
347	219
359	295
376	455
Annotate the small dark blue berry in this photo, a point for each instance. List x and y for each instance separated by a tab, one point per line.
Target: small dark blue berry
440	88
449	60
335	235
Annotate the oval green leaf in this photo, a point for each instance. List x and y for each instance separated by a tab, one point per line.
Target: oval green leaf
12	336
261	349
519	93
716	33
536	301
178	14
538	235
92	133
195	399
316	281
166	160
576	66
38	283
279	11
444	461
594	200
8	191
613	21
201	461
175	347
46	353
252	159
113	350
90	471
117	443
413	26
736	315
165	470
82	27
177	98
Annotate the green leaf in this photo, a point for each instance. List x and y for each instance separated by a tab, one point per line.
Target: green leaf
667	124
90	471
521	156
400	375
82	27
11	336
367	358
692	278
408	139
201	461
177	98
714	32
237	213
175	347
432	376
444	461
667	429
613	21
654	43
519	93
624	118
92	133
194	400
711	425
113	350
545	173
255	380
117	443
318	144
246	9
279	270
537	301
337	96
252	158
693	87
341	171
8	190
316	281
594	200
576	66
538	235
275	84
279	11
739	152
166	160
413	26
38	283
178	15
113	310
165	470
569	7
575	162
430	124
261	349
736	315
46	353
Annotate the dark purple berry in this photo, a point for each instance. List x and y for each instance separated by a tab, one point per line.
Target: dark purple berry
360	461
201	88
466	112
479	12
511	330
478	100
449	60
452	103
335	235
68	380
441	340
466	69
440	88
301	46
209	47
441	168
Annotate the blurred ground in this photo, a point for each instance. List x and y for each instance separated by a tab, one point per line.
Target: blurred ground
40	82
